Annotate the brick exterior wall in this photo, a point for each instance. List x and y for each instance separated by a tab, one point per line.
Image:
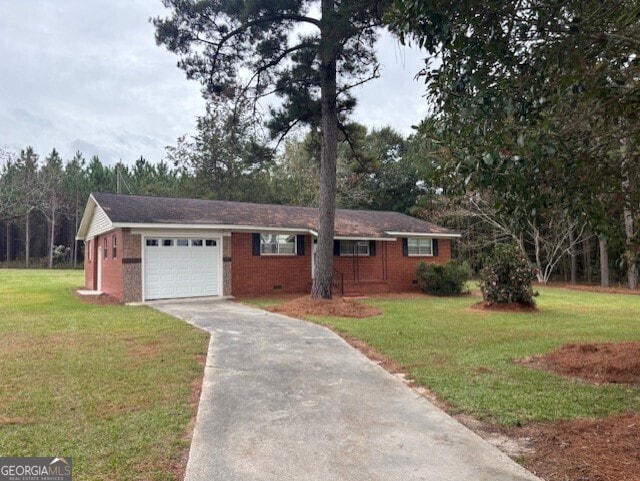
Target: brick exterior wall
401	269
262	275
227	266
122	275
247	275
387	271
131	267
111	267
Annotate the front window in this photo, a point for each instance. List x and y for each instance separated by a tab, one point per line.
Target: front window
105	249
277	244
114	246
354	248
420	247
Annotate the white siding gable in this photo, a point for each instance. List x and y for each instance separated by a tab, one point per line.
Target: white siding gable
100	223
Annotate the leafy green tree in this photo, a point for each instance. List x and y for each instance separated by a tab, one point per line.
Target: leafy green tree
50	181
307	53
295	175
26	176
531	96
228	158
99	177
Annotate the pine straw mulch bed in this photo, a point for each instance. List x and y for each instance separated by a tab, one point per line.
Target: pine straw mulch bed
337	306
585	450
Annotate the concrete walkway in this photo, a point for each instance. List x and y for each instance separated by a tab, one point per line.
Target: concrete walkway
284	399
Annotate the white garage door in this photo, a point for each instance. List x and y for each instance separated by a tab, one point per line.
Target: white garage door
180	267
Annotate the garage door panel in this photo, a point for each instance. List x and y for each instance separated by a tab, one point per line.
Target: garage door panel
181	268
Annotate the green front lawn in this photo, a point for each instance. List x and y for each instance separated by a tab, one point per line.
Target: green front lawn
108	385
466	356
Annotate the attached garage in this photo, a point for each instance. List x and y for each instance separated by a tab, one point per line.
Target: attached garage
177	267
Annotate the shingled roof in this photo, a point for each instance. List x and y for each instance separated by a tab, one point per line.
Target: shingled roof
136	210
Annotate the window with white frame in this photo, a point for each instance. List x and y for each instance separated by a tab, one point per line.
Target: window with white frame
277	244
420	247
354	247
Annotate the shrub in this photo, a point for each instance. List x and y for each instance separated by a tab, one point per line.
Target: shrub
443	279
507	277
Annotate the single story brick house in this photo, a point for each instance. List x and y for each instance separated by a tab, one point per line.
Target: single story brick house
139	248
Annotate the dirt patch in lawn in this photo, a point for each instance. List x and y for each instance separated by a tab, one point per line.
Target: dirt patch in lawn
504	307
100	299
338	306
597	363
586	450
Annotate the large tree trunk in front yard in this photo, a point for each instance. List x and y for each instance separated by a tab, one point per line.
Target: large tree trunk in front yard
329	151
604	262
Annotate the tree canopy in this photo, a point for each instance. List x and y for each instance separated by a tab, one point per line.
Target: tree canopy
309	54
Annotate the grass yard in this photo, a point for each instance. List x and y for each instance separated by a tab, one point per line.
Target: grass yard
467	357
108	385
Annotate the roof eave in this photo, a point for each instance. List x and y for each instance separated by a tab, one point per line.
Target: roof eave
435	235
86	218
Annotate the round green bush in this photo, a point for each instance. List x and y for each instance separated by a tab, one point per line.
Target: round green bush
507	277
446	279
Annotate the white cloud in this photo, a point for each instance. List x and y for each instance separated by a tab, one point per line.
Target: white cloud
87	75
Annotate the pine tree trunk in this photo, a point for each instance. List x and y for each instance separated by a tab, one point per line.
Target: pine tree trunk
572	254
604	262
324	253
52	238
75	241
632	276
8	241
586	243
27	235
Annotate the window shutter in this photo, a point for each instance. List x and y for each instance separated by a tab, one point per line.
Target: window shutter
256	244
435	247
372	248
300	244
405	246
336	247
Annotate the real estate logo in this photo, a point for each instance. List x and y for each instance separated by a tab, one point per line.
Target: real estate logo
35	469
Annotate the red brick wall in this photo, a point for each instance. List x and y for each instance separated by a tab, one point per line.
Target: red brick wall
401	269
112	268
367	275
262	275
361	268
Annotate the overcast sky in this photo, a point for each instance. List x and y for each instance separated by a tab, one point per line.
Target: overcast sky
87	75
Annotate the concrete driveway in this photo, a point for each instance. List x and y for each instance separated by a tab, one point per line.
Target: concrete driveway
284	399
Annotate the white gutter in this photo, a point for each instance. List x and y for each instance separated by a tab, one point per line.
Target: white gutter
423	234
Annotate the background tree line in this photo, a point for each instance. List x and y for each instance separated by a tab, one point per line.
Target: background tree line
42	199
533	138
